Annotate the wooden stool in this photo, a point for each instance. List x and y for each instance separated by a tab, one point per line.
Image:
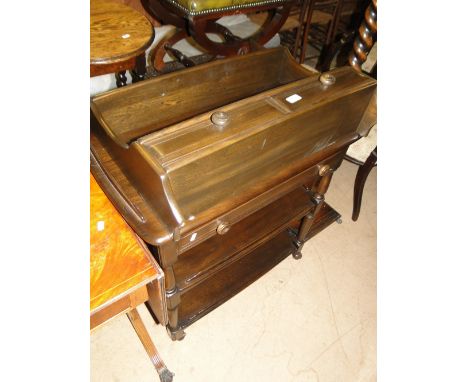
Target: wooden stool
123	274
197	18
119	36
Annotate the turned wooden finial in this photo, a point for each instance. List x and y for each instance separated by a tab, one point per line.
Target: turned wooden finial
365	38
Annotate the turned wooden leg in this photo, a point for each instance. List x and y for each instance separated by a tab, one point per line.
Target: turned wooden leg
164	374
360	181
318	197
307	221
173	301
303	231
168	256
121	79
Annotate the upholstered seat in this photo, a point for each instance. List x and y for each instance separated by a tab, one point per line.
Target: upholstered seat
196	7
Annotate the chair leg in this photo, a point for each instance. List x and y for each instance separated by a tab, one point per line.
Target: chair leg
164	374
360	181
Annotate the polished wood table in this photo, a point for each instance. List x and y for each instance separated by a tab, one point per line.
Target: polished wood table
119	36
123	274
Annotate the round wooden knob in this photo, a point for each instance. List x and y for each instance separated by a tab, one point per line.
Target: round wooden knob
220	119
324	169
223	228
327	79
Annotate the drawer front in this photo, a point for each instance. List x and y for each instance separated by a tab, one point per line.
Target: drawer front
219	251
222	225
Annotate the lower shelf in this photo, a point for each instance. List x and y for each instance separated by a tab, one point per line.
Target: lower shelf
208	295
227	282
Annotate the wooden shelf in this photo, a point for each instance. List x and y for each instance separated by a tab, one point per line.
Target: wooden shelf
210	256
205	297
245	267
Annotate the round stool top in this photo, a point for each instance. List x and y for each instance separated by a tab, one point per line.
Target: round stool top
117	32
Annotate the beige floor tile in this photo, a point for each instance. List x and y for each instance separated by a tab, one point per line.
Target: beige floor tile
307	320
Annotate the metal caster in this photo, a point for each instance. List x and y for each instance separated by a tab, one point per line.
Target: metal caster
297	255
178	335
339	221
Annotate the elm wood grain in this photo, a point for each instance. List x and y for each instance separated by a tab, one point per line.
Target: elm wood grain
129	113
118	35
219	288
236	214
211	255
229	167
148	222
166	233
141	178
208	292
200	157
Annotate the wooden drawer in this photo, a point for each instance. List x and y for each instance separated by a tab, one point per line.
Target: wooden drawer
308	178
198	263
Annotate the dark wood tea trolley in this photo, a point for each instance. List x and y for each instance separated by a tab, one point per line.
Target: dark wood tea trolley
222	168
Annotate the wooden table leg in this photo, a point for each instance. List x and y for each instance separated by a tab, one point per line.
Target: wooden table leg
138	73
121	78
164	374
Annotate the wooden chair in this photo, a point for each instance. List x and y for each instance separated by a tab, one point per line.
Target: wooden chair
320	24
365	39
197	18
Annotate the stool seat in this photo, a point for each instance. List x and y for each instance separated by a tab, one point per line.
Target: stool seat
118	34
196	7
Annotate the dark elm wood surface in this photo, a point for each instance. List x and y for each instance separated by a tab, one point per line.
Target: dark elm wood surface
220	206
215	253
130	113
203	298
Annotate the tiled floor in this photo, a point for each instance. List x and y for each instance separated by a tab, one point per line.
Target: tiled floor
307	320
